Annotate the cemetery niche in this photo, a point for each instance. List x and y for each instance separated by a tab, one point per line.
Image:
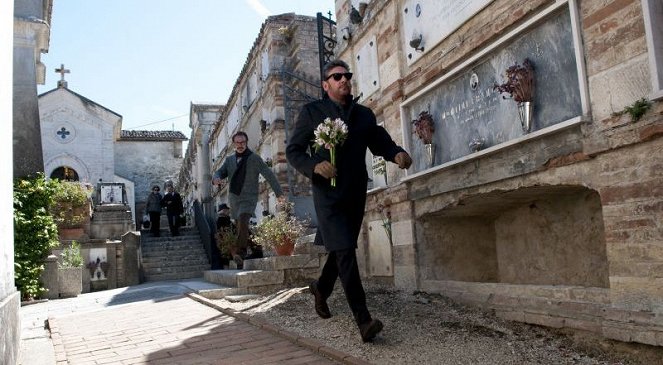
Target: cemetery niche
470	114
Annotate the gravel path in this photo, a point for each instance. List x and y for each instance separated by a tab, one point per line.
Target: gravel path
424	328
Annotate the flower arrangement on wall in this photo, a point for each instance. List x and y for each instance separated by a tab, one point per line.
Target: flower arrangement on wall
424	127
520	87
519	82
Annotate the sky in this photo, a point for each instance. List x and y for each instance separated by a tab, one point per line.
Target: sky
148	60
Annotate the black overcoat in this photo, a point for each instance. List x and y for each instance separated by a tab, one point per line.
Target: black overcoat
340	209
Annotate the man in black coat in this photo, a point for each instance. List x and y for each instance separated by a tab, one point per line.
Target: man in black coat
172	201
340	209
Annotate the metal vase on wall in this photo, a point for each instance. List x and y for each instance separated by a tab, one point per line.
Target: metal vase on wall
430	154
525	115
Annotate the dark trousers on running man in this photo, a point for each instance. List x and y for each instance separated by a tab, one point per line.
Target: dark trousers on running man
242	234
342	264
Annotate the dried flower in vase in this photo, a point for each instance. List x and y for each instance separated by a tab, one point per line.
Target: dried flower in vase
520	82
424	127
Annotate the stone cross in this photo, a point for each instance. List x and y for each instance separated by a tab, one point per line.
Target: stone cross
62	71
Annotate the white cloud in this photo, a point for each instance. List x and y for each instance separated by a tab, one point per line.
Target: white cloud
259	8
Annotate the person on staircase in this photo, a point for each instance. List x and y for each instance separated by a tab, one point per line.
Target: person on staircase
174	207
242	170
153	209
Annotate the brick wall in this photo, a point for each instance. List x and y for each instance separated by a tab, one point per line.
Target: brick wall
612	160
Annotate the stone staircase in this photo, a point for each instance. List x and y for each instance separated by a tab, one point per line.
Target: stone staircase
173	258
269	273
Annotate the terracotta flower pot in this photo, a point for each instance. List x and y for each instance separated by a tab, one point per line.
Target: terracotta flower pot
286	248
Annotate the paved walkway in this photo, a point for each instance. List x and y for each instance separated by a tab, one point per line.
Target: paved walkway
157	323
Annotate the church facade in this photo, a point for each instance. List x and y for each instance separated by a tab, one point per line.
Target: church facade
84	141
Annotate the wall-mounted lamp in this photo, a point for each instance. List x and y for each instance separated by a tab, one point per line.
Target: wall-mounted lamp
345	33
416	43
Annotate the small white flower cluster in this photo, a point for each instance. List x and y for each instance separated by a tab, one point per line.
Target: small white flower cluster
330	133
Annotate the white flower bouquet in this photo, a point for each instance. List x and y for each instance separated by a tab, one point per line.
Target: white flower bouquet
330	134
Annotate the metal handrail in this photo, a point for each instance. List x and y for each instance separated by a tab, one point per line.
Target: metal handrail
206	230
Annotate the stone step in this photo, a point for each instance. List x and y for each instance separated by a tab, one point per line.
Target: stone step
180	238
177	269
174	276
187	261
283	262
244	278
173	258
179	250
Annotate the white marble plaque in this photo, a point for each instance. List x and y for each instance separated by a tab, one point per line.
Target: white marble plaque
434	21
111	194
379	250
367	69
97	256
402	233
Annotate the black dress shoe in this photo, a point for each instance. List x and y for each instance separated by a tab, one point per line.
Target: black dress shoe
370	329
320	303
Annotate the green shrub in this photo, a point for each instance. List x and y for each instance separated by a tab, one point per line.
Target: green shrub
70	204
71	256
35	232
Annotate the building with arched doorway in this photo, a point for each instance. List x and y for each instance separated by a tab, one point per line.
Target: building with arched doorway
84	141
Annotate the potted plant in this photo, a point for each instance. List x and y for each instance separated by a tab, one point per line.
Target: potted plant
70	209
70	271
225	239
520	87
280	232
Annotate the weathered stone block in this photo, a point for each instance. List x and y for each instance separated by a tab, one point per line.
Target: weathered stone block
543	320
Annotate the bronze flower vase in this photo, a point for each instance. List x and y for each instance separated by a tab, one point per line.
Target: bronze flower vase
525	115
430	154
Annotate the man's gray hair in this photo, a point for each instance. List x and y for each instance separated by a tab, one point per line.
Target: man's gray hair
334	63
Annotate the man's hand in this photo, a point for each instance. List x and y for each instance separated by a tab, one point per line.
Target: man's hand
216	181
403	160
325	169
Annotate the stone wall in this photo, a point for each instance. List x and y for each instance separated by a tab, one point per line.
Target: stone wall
283	57
162	163
559	226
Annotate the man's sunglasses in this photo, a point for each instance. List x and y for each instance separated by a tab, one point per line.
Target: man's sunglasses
339	75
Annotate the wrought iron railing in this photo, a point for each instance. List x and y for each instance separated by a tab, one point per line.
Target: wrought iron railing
206	231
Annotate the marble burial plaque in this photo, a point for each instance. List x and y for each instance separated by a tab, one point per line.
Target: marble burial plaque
466	107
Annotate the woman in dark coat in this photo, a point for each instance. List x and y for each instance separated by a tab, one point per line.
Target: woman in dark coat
340	209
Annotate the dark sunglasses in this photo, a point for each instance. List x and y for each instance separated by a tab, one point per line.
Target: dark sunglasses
155	189
338	75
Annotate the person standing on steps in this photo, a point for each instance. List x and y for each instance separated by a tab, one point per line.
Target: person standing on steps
242	170
173	203
153	209
340	208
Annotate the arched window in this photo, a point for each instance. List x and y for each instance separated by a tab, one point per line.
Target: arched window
65	173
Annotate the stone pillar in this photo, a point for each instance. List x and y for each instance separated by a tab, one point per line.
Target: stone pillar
49	277
30	38
10	334
130	255
111	258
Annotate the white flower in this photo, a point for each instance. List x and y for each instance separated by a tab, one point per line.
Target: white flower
330	133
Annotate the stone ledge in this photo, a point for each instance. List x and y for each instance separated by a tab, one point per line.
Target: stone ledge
243	278
283	262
